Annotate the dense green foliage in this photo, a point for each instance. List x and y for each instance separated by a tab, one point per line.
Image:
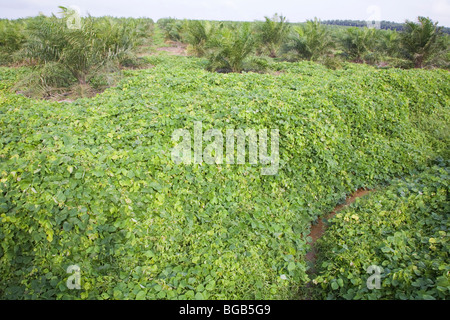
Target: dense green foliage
272	33
199	35
403	229
80	58
385	25
12	38
418	44
172	28
92	182
311	41
231	48
421	41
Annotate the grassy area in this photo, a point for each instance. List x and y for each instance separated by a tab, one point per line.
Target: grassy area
403	229
93	183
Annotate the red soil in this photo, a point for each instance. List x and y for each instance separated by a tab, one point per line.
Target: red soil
176	49
318	229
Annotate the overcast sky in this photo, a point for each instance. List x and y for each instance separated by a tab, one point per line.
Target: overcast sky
244	10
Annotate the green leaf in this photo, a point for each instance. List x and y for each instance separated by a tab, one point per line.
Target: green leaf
291	266
67	226
117	294
211	285
141	295
199	296
334	285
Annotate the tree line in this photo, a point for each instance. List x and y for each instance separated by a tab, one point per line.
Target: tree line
385	25
82	60
235	46
87	59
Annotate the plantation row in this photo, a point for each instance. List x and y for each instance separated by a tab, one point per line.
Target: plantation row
228	44
92	183
82	61
385	25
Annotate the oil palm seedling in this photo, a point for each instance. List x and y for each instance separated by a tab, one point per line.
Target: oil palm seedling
230	49
359	44
422	40
272	33
198	33
310	41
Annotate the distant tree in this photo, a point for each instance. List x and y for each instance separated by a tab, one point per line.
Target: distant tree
12	38
272	32
230	48
420	41
73	58
172	28
198	33
310	41
358	43
389	42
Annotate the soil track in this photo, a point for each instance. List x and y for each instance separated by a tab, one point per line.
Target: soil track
176	49
318	230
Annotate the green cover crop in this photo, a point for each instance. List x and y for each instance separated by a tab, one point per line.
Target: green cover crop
402	229
92	183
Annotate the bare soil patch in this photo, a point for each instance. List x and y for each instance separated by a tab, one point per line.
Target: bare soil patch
318	230
176	49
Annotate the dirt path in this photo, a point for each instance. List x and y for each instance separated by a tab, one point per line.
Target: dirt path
318	230
176	49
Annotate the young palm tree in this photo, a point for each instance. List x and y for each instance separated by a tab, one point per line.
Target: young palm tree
231	48
358	43
310	41
421	40
73	56
173	29
272	33
198	33
75	50
389	42
116	38
12	39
